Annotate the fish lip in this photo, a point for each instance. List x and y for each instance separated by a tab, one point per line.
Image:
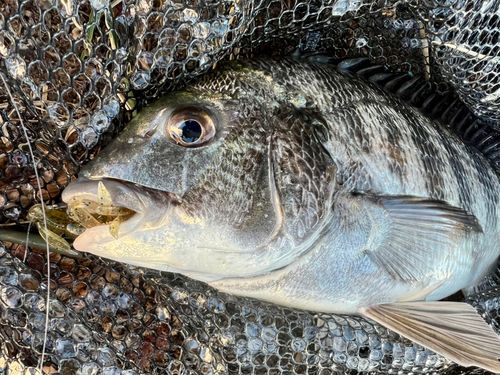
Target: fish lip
145	202
122	194
87	238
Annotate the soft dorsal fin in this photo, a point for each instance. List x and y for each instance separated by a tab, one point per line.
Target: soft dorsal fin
421	233
453	329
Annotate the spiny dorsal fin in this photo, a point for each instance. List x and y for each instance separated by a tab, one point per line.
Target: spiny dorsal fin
445	107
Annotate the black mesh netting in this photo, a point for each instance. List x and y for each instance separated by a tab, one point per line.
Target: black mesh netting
73	72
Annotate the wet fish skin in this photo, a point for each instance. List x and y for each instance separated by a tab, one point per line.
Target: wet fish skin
359	147
200	199
313	181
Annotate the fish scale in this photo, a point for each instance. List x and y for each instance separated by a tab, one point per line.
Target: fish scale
305	187
264	26
331	98
239	166
386	245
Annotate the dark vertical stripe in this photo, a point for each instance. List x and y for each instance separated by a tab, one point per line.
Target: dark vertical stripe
394	138
422	140
456	160
488	186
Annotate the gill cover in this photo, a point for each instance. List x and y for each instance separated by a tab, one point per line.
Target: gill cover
251	199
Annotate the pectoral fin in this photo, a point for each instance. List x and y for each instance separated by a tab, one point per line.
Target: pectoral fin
453	329
420	236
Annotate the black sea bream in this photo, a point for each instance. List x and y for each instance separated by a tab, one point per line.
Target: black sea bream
288	182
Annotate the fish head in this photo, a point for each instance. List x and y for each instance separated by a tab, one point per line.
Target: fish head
225	178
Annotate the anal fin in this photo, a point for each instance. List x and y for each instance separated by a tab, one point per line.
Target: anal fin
452	329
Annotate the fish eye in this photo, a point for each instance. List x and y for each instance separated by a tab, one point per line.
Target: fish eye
191	127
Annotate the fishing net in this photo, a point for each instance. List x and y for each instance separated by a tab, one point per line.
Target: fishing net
73	72
77	70
106	318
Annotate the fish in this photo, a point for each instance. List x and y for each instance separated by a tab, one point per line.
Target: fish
387	43
248	332
287	182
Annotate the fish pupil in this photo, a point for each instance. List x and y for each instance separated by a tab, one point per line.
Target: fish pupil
191	131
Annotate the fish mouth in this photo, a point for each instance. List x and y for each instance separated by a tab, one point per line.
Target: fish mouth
112	206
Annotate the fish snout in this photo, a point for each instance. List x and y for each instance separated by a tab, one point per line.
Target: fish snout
109	201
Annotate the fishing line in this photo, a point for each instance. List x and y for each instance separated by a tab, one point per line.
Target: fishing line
44	220
27	239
